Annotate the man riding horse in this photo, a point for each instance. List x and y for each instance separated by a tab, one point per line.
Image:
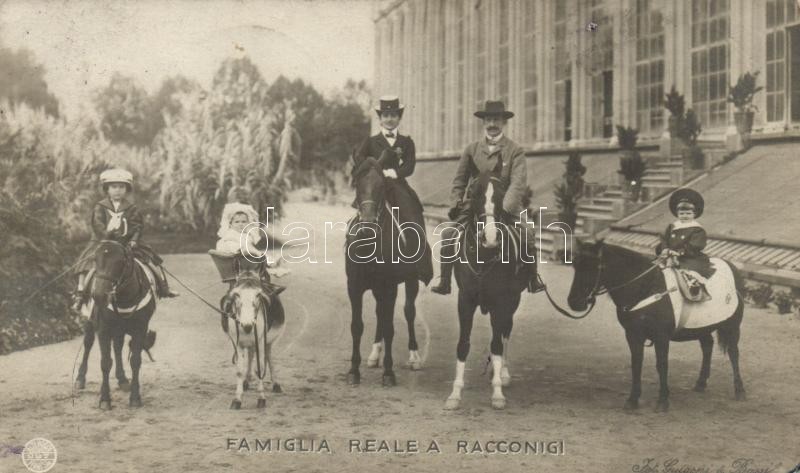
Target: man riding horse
505	160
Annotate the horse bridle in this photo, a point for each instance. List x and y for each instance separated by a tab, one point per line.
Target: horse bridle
591	298
127	270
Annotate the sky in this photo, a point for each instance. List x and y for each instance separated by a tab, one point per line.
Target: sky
82	43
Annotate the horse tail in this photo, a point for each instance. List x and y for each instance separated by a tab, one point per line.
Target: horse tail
728	332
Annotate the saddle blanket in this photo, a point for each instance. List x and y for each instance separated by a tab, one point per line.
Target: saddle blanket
86	309
724	299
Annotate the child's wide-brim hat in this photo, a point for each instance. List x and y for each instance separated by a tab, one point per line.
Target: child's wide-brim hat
686	195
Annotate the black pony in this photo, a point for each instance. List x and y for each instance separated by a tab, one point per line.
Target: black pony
630	278
124	302
375	261
490	277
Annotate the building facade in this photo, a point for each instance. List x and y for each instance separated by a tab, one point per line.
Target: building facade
573	69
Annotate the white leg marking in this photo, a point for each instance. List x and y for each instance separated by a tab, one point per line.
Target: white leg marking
498	400
458	384
373	361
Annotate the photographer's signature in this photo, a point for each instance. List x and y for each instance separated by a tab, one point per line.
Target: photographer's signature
674	465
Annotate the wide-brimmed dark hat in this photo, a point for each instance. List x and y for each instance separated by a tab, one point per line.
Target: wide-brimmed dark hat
686	195
494	109
389	103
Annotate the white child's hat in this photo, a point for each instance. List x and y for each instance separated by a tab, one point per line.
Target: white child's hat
232	209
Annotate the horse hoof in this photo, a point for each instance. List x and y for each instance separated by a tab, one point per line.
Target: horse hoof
124	385
353	378
389	380
105	405
662	406
631	405
276	388
236	404
246	385
372	363
699	388
451	404
741	396
80	384
499	403
415	365
262	403
135	403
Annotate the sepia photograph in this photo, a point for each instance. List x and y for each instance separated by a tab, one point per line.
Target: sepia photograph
400	236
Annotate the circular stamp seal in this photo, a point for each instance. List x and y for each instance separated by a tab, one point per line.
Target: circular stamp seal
39	455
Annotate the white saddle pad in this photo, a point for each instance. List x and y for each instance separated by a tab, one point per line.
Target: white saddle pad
723	303
86	309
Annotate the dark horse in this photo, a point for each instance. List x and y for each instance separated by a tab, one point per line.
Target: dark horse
375	261
489	277
124	302
630	278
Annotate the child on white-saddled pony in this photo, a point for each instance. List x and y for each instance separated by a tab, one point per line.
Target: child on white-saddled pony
241	236
117	218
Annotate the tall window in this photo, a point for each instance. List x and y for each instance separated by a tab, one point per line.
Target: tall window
779	13
530	98
461	38
400	50
563	71
649	68
601	64
710	30
480	57
503	63
443	76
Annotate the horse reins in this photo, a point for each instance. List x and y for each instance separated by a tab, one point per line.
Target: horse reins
592	296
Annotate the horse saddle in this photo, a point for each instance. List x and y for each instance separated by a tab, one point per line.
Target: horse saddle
88	305
691	285
719	304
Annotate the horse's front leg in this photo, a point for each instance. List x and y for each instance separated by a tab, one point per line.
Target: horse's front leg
88	341
137	345
104	339
119	367
374	358
262	398
356	295
499	321
242	363
410	311
662	365
384	301
636	346
466	313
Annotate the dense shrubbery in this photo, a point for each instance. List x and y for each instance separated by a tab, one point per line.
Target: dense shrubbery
205	143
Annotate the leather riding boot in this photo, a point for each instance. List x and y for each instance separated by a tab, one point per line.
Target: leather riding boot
534	284
444	280
163	285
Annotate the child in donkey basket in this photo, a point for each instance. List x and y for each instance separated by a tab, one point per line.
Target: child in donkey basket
238	237
116	218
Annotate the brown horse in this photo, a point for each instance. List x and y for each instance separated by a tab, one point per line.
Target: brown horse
630	278
124	301
376	261
488	276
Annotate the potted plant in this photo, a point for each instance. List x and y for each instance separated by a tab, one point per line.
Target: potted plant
570	190
689	132
676	105
741	96
631	165
783	301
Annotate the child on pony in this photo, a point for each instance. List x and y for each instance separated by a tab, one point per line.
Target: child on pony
116	218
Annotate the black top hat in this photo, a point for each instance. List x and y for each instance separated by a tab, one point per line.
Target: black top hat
494	108
389	103
686	195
